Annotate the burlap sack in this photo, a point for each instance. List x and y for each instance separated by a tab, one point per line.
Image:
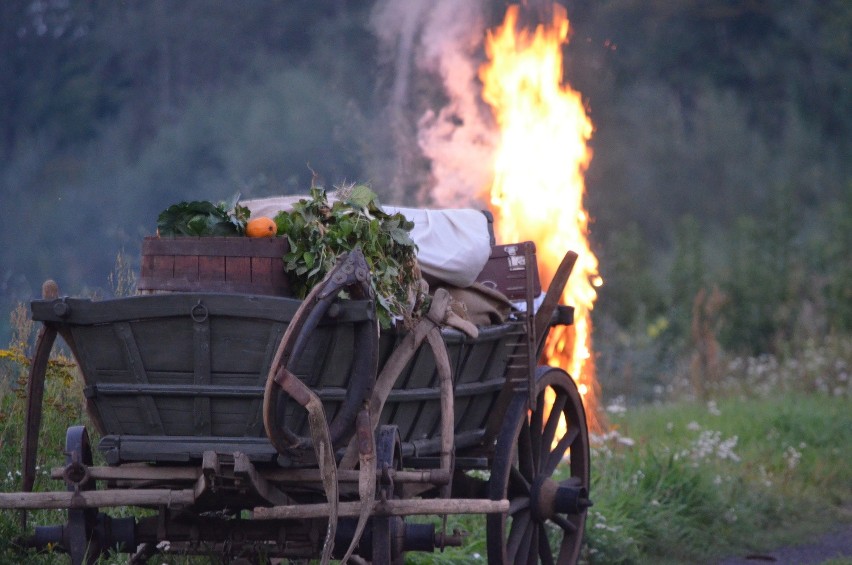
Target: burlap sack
483	306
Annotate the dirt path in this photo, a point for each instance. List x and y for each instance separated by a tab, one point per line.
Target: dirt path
834	545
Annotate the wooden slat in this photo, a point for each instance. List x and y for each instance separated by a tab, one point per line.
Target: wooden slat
137	370
387	508
201	374
216	246
163	266
97	498
186	267
254	423
150	307
238	269
261	269
211	268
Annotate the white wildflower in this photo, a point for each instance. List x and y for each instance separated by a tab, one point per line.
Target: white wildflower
730	515
713	408
792	456
693	426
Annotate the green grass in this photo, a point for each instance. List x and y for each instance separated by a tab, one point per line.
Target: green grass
688	483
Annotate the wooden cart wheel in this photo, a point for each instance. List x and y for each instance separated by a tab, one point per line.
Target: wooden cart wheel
547	516
79	533
351	273
387	543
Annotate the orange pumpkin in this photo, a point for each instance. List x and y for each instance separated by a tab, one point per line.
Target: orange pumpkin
261	227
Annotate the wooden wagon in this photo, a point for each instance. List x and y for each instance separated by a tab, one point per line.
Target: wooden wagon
264	428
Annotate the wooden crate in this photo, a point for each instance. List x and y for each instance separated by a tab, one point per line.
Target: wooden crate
241	265
506	270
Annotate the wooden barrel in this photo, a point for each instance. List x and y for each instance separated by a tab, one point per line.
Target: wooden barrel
242	265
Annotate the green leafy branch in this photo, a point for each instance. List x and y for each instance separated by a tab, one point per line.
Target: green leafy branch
203	218
318	232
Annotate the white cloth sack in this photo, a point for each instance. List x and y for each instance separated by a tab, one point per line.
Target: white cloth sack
453	245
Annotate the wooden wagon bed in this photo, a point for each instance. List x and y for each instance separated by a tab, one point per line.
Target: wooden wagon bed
170	376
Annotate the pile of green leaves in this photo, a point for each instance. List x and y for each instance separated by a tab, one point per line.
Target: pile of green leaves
319	232
202	218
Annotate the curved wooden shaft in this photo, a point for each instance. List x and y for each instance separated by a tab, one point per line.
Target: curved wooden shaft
35	396
351	273
551	298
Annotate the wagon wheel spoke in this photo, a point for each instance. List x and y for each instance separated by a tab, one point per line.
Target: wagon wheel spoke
536	423
518	504
544	551
521	524
529	546
518	483
566	549
559	451
526	461
553	420
567	526
571	482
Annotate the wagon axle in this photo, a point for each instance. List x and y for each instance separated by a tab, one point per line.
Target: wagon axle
107	532
548	498
404	536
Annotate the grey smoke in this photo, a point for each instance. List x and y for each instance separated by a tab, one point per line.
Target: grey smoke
439	40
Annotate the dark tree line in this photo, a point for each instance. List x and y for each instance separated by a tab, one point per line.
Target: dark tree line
722	142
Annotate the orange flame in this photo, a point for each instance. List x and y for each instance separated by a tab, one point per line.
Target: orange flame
538	187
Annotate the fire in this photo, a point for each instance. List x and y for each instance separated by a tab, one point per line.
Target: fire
538	187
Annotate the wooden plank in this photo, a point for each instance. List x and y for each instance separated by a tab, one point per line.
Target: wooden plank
216	246
86	361
238	269
254	423
137	370
239	346
163	266
83	311
211	268
386	508
97	498
135	472
178	390
186	267
261	270
201	374
126	448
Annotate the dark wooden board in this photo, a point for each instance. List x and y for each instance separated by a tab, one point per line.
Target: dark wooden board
188	371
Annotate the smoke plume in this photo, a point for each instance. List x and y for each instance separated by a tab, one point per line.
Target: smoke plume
436	49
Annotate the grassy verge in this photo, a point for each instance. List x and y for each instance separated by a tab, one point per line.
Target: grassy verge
694	482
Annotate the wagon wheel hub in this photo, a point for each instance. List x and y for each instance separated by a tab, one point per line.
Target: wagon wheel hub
548	498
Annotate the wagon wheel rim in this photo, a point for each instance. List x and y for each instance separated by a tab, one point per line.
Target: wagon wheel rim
351	273
546	518
79	532
386	544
